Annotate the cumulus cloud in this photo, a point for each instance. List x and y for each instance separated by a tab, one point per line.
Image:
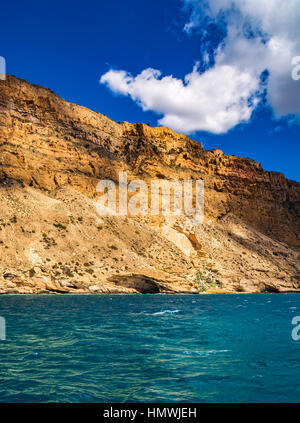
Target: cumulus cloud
214	101
260	35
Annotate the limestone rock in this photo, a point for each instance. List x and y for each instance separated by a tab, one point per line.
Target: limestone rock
52	155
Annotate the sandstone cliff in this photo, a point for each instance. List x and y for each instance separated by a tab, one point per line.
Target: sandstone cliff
52	154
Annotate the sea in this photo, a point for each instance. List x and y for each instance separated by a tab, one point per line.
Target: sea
240	348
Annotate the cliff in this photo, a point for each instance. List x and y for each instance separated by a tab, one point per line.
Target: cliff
53	153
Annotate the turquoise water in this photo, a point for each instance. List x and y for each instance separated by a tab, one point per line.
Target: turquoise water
150	348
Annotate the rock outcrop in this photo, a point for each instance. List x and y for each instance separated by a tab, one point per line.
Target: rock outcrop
53	153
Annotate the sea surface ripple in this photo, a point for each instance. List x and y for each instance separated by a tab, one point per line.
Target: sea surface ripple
150	348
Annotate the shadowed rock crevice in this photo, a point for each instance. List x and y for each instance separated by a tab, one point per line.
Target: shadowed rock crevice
140	283
268	289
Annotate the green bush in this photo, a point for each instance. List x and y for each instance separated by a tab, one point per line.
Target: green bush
60	226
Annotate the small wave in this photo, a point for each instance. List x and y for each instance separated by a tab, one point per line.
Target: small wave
204	353
160	313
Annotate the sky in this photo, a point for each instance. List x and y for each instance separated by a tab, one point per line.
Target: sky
219	71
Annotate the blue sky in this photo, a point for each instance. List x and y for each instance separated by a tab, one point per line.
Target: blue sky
68	46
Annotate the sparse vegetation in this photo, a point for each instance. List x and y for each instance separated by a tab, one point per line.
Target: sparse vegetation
48	241
204	282
113	247
60	226
13	219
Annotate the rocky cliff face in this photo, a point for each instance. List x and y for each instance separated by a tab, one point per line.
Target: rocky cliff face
52	154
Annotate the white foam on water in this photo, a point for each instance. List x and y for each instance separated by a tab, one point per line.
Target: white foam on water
160	313
204	353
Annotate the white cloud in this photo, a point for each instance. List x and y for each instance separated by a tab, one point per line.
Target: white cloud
215	101
226	94
276	40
